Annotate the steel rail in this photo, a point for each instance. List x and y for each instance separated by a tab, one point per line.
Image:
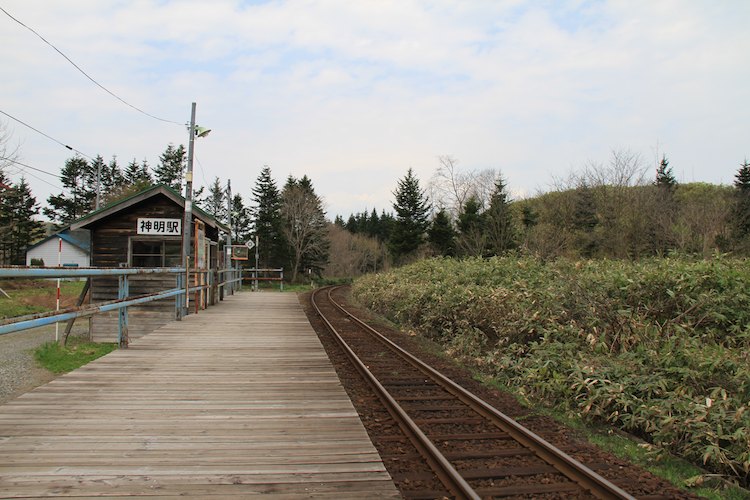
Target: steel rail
567	465
447	474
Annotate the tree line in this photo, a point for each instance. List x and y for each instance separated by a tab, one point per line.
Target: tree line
18	226
290	222
614	209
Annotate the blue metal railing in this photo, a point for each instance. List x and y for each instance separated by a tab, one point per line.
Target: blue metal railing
121	304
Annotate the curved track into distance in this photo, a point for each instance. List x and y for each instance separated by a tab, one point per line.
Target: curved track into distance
475	450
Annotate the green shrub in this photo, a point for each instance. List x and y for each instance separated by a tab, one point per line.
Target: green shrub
659	347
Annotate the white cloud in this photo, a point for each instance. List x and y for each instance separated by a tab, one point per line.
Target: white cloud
348	88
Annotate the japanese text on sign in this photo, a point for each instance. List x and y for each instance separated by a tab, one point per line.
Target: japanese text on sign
167	227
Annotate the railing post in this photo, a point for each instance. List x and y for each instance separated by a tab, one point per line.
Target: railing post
122	314
178	298
282	279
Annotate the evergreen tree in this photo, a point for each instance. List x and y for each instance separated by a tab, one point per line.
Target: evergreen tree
77	179
372	227
18	228
664	177
412	207
741	212
134	179
585	220
112	179
472	228
442	235
172	163
499	223
387	220
241	222
662	217
305	227
97	171
339	221
24	228
136	174
266	217
351	224
6	195
529	218
215	202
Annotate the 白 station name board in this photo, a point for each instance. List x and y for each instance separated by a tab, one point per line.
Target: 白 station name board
159	226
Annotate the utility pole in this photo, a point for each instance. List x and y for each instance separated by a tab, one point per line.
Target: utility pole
228	250
188	222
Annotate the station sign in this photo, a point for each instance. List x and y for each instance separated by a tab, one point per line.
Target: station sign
159	226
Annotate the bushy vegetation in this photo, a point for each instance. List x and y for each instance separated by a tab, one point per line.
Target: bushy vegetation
659	347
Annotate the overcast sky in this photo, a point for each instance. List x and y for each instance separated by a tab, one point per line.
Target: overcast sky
354	93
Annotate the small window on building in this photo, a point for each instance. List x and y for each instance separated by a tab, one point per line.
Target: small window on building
155	253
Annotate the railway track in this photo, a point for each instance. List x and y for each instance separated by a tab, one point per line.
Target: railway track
472	449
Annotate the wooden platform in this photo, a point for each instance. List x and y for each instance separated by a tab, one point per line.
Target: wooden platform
239	400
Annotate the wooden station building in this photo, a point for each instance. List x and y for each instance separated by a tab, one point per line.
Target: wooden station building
145	230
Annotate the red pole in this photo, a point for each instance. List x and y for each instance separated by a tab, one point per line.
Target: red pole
59	259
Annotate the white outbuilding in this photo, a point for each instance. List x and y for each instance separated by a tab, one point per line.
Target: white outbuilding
75	245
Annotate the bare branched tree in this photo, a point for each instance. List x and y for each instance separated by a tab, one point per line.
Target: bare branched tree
450	188
304	227
9	153
353	255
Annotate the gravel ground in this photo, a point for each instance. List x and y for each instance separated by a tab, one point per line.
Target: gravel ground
19	372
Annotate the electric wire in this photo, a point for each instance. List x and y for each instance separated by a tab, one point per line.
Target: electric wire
86	74
11	160
21	169
45	135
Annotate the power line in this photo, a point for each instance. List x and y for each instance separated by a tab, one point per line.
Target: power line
87	75
29	166
39	178
45	135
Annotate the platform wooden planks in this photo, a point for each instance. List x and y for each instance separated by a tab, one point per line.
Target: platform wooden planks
239	400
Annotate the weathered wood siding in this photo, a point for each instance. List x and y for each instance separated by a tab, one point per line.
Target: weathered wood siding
110	243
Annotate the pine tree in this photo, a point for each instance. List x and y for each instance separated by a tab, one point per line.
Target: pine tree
664	177
412	207
529	217
661	219
172	163
215	202
24	228
305	227
241	221
499	222
136	174
112	179
585	220
442	235
741	212
472	238
6	194
266	217
78	181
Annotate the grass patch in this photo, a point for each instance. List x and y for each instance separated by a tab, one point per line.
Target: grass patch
34	296
62	359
